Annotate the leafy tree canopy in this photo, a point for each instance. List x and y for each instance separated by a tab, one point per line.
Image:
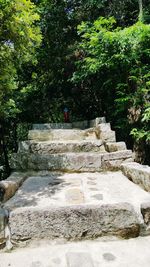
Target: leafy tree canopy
123	55
19	37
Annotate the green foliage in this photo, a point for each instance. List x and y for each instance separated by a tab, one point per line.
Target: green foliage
22	131
57	55
19	37
123	55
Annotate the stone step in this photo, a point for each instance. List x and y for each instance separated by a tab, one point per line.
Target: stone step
77	206
61	134
73	162
101	131
79	124
52	147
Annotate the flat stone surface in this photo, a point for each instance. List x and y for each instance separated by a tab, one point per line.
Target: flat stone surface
46	189
98	253
68	207
76	259
74	196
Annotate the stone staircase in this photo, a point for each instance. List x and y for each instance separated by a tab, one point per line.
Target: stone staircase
73	150
70	181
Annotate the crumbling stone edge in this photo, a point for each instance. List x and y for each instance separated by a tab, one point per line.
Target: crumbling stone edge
137	173
9	186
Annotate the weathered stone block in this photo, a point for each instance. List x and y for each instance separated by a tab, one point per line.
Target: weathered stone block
113	160
71	161
61	134
115	146
63	147
104	127
109	136
75	222
105	133
139	174
66	162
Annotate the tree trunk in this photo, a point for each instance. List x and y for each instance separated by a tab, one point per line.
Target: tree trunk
140	10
